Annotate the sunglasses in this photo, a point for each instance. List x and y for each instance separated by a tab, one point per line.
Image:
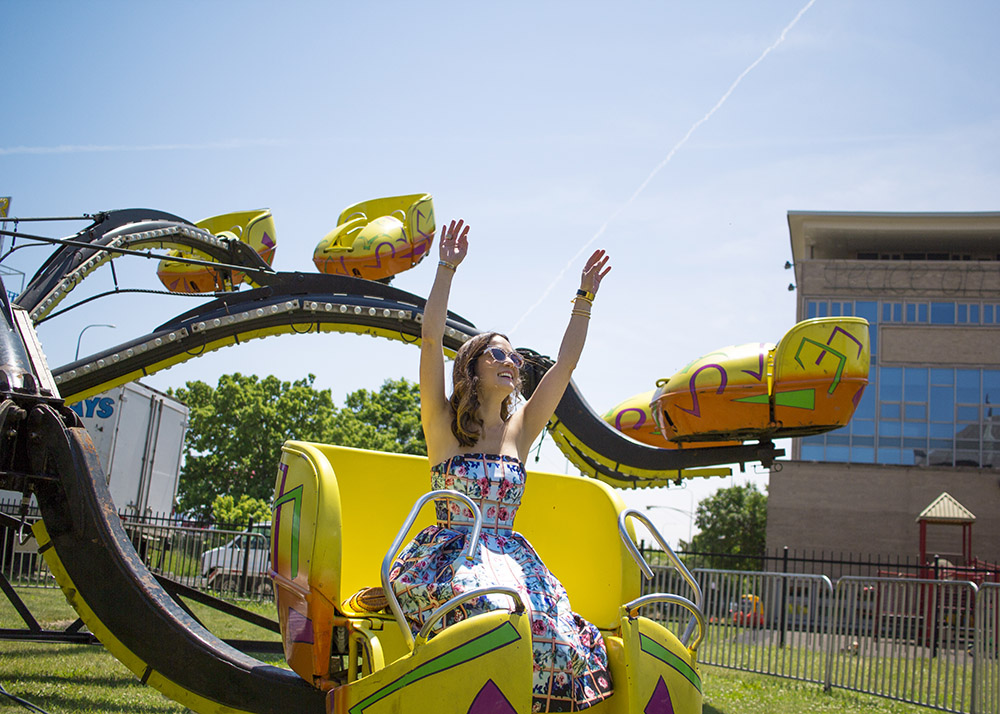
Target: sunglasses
498	354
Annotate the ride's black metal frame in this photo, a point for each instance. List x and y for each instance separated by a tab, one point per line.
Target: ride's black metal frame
45	450
32	630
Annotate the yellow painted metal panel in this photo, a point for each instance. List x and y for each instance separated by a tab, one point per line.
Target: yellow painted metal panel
485	657
659	670
809	383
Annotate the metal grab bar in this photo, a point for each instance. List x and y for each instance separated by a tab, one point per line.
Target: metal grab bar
698	615
671	556
390	556
454	602
373	659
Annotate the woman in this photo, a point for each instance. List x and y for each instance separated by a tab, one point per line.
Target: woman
478	443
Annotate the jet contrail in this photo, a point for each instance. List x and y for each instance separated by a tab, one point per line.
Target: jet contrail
659	167
98	148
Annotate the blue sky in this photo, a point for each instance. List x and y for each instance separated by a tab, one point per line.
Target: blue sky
536	122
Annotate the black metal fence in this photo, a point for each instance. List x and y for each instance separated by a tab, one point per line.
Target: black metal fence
836	564
221	558
233	560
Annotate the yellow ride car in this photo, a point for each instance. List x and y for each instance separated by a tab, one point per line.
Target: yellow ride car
340	514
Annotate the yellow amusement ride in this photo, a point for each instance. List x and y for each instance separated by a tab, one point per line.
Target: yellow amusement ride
334	536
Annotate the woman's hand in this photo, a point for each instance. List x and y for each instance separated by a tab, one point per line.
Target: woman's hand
536	412
594	272
454	242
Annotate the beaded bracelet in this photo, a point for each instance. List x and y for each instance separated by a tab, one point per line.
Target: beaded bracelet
446	264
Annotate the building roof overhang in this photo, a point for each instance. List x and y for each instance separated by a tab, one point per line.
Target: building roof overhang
819	235
945	509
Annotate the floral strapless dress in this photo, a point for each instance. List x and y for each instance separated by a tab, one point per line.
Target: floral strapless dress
570	661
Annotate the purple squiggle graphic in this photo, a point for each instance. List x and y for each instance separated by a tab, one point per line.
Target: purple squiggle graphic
637	425
759	374
696	409
378	256
849	336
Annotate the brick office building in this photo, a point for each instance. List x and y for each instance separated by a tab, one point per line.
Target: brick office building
929	421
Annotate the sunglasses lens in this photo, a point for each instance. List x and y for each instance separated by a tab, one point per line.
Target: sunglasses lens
499	355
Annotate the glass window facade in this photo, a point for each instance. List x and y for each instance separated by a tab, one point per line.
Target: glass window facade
917	416
917	312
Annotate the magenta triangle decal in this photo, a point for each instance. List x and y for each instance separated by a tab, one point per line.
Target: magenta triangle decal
491	700
300	628
660	702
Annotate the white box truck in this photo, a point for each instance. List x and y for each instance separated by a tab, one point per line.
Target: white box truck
139	435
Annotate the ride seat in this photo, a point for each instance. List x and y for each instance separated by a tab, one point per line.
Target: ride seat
255	228
820	372
337	511
378	238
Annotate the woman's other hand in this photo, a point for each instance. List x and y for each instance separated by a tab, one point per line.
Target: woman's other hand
454	242
594	271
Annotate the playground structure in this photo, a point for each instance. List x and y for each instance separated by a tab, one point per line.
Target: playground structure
45	451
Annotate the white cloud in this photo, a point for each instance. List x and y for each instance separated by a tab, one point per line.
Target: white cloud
228	144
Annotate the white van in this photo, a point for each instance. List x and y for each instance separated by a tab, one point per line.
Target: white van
230	558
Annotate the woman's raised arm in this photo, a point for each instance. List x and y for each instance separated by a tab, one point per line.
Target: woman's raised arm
538	410
435	412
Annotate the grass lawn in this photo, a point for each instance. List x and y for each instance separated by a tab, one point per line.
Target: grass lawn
729	691
75	678
85	679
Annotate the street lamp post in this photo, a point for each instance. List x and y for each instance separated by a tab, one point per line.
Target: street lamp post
80	337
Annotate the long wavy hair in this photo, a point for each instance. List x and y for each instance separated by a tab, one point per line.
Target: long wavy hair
466	423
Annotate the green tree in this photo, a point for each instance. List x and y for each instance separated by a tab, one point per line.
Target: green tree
235	433
733	521
386	420
226	509
236	429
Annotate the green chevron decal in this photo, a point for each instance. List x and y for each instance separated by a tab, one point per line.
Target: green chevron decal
496	638
756	399
798	398
655	649
295	497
